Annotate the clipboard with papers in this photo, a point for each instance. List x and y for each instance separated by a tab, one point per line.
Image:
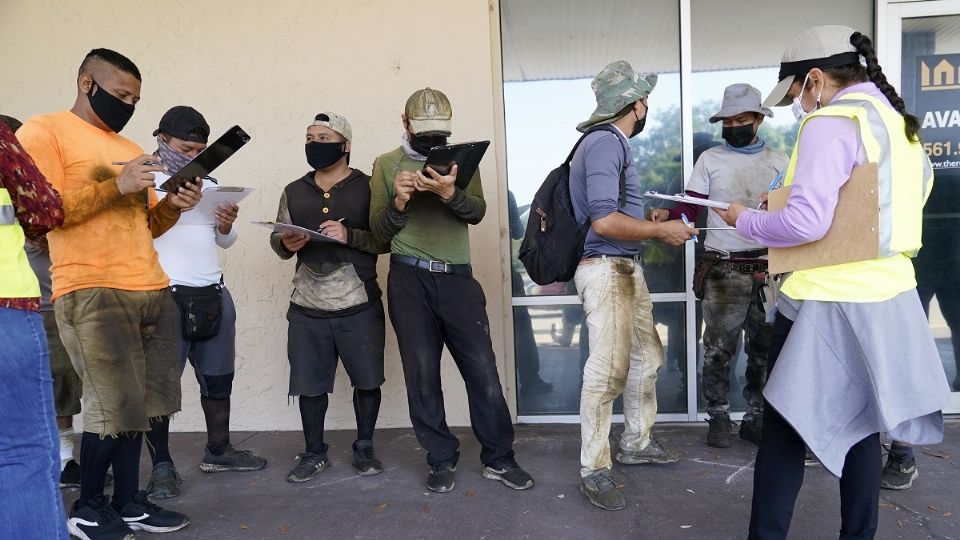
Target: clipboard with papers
217	195
314	236
466	156
688	200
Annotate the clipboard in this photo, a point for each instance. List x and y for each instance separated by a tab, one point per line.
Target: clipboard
853	235
217	195
315	236
212	157
466	156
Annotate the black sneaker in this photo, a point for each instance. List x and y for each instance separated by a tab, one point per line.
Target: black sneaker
602	491
899	472
143	515
507	471
231	460
441	477
750	430
653	453
97	521
718	434
365	459
70	475
308	467
165	481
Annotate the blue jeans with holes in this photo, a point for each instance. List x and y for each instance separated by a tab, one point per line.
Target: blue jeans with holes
29	441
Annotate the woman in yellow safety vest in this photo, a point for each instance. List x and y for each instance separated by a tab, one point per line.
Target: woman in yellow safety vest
852	355
29	441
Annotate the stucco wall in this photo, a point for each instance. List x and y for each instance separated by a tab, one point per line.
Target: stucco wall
269	67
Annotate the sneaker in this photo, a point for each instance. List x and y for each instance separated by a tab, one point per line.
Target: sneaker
718	433
602	491
750	430
309	467
652	453
70	475
899	472
164	481
97	521
143	515
231	460
441	477
507	471
365	459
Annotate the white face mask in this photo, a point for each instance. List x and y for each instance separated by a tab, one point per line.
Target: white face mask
797	107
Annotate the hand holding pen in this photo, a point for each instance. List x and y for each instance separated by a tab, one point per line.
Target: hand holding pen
334	229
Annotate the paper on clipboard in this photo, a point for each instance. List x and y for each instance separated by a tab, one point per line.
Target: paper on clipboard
217	195
688	199
281	227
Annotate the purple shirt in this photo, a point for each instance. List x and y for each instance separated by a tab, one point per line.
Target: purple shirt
827	151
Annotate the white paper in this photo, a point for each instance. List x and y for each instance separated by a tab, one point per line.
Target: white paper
689	200
215	196
281	227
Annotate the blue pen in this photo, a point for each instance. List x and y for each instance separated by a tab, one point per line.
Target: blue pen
776	181
687	222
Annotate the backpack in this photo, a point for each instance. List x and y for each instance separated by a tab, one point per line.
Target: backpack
553	242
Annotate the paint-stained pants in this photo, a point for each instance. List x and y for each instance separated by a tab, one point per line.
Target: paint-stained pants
625	354
729	309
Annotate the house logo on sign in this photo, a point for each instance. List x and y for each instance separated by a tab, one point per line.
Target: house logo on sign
943	76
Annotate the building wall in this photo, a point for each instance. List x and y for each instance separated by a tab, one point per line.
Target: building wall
269	67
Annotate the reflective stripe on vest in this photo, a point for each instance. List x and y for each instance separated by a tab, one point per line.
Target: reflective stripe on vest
904	173
16	277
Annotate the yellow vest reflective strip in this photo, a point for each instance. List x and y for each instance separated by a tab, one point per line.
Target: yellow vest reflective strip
16	277
905	179
905	176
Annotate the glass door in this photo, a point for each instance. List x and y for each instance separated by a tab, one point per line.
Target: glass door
923	52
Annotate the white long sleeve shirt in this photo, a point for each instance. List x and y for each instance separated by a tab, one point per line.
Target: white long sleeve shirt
188	251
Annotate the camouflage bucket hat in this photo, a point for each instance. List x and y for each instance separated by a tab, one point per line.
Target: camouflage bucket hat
616	86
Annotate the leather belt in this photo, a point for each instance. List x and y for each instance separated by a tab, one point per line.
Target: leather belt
752	254
744	267
433	266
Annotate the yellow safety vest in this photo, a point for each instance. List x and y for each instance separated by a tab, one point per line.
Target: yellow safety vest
17	279
905	178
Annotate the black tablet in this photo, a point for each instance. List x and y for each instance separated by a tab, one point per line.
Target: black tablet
208	160
466	156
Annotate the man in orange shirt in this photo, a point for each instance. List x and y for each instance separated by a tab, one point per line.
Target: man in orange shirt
115	314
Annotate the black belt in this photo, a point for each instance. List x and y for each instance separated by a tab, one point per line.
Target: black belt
744	267
753	254
434	266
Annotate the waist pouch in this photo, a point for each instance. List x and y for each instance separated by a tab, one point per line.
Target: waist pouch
201	309
701	270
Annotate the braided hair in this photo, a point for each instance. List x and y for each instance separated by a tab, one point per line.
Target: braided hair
864	46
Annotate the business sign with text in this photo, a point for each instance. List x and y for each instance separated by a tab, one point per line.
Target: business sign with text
938	108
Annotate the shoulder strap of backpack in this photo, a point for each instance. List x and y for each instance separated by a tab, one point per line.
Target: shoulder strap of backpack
622	199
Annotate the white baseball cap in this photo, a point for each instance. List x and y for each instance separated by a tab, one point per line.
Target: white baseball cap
817	47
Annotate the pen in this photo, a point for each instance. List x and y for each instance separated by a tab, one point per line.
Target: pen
776	181
145	163
687	221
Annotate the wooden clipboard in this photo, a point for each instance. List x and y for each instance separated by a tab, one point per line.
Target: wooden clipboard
853	235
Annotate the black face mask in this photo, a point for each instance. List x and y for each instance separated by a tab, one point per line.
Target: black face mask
638	125
109	108
322	155
422	144
738	136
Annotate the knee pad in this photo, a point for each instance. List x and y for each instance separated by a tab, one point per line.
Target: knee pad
218	386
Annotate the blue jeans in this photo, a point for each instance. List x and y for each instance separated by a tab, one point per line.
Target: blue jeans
29	440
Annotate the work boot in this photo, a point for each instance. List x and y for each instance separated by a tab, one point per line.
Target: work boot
164	481
899	472
718	434
601	490
750	430
653	453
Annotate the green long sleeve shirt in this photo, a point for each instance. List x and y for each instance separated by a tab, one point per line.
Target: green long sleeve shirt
429	229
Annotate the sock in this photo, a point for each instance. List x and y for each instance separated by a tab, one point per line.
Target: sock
126	468
366	407
217	414
313	410
158	440
903	451
66	446
96	454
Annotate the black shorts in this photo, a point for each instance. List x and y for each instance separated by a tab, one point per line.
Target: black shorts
314	344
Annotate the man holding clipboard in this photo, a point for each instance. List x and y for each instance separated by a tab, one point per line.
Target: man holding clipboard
189	255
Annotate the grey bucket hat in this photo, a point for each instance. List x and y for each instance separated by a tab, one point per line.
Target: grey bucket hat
817	47
615	87
738	99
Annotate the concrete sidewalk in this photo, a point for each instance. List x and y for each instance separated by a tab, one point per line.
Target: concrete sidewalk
704	496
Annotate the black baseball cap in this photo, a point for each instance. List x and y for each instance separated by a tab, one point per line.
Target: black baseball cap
184	123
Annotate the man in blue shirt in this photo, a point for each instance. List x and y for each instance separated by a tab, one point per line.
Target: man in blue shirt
625	350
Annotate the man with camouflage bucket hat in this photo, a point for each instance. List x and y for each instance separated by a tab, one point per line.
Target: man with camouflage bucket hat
625	349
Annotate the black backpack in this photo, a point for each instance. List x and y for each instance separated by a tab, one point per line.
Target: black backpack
553	242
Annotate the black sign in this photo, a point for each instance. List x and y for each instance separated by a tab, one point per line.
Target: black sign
938	108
